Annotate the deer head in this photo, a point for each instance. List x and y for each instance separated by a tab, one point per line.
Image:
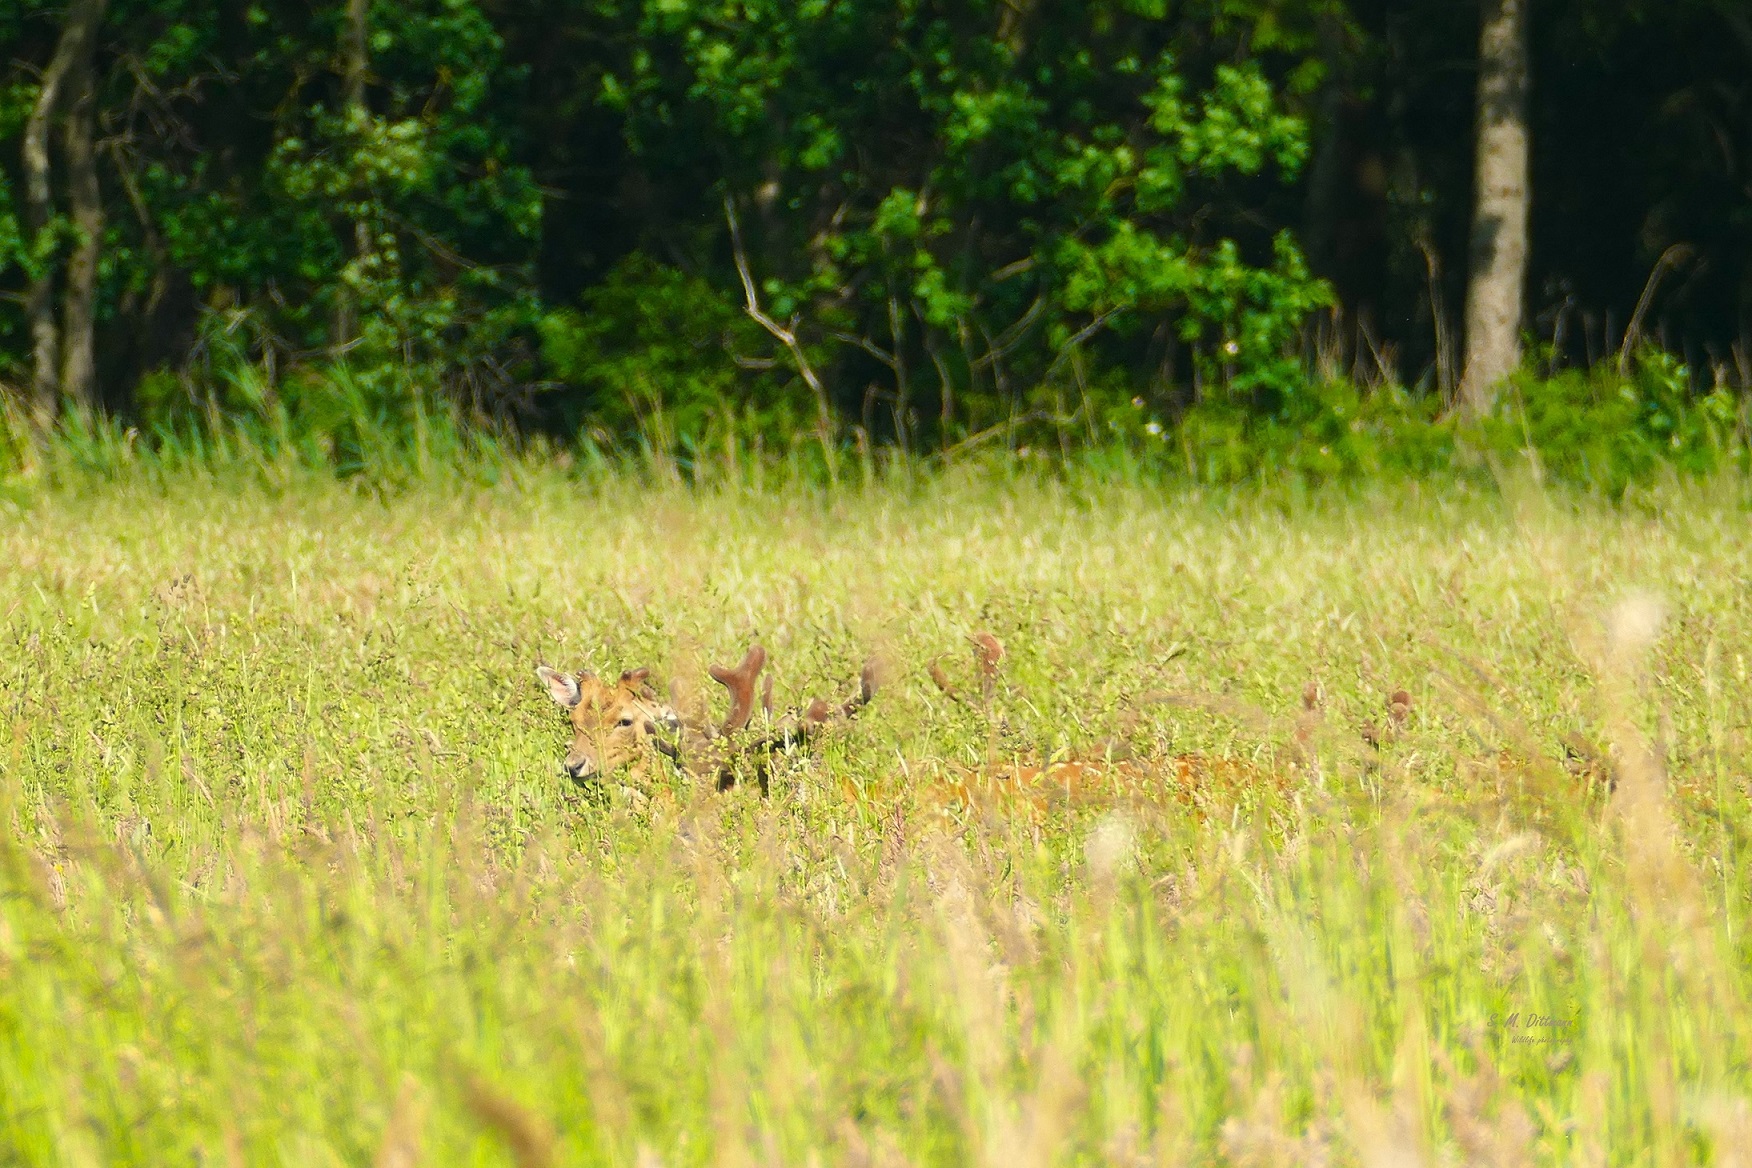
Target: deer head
612	722
615	724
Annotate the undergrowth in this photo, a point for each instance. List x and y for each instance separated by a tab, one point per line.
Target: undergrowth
1601	431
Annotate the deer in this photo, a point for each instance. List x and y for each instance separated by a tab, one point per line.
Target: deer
625	721
1031	784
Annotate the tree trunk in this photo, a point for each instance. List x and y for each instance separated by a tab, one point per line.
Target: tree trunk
70	68
356	61
85	201
1499	219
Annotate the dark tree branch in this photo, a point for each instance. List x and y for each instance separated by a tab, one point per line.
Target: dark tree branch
785	336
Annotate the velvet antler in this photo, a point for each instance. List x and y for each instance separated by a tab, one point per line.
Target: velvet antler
740	683
821	711
988	651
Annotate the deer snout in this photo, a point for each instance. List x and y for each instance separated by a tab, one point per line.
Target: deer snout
580	767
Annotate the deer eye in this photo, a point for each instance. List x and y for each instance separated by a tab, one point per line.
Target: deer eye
627	720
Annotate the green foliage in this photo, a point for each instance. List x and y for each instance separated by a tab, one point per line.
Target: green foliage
14	254
240	177
1603	430
971	206
232	415
657	352
407	212
1328	431
1598	430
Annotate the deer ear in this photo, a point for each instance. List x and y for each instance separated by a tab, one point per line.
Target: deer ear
562	688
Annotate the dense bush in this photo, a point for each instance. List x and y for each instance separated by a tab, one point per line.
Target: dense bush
1605	429
666	357
1597	431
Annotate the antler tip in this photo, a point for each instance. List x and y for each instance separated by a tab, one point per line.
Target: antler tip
740	683
991	650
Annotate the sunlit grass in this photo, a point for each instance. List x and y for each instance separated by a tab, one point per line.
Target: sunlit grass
290	874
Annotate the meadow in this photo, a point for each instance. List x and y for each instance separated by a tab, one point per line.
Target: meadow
289	873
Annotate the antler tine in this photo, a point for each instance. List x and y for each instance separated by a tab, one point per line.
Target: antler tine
740	683
990	651
1398	712
869	681
941	680
800	726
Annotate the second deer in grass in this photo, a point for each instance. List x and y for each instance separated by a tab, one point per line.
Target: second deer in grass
1025	778
622	722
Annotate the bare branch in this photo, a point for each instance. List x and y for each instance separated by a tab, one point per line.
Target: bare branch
869	346
1006	427
785	336
1675	255
1005	342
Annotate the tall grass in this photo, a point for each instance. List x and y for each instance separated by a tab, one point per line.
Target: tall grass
289	874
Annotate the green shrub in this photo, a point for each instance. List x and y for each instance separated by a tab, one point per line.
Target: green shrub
1599	430
1327	431
385	421
1602	429
671	383
657	350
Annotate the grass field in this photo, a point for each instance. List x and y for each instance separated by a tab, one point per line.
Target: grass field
290	874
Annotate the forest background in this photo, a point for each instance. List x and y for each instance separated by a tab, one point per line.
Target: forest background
1216	238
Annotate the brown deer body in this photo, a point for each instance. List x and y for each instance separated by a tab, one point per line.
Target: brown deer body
1033	788
1027	783
621	722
